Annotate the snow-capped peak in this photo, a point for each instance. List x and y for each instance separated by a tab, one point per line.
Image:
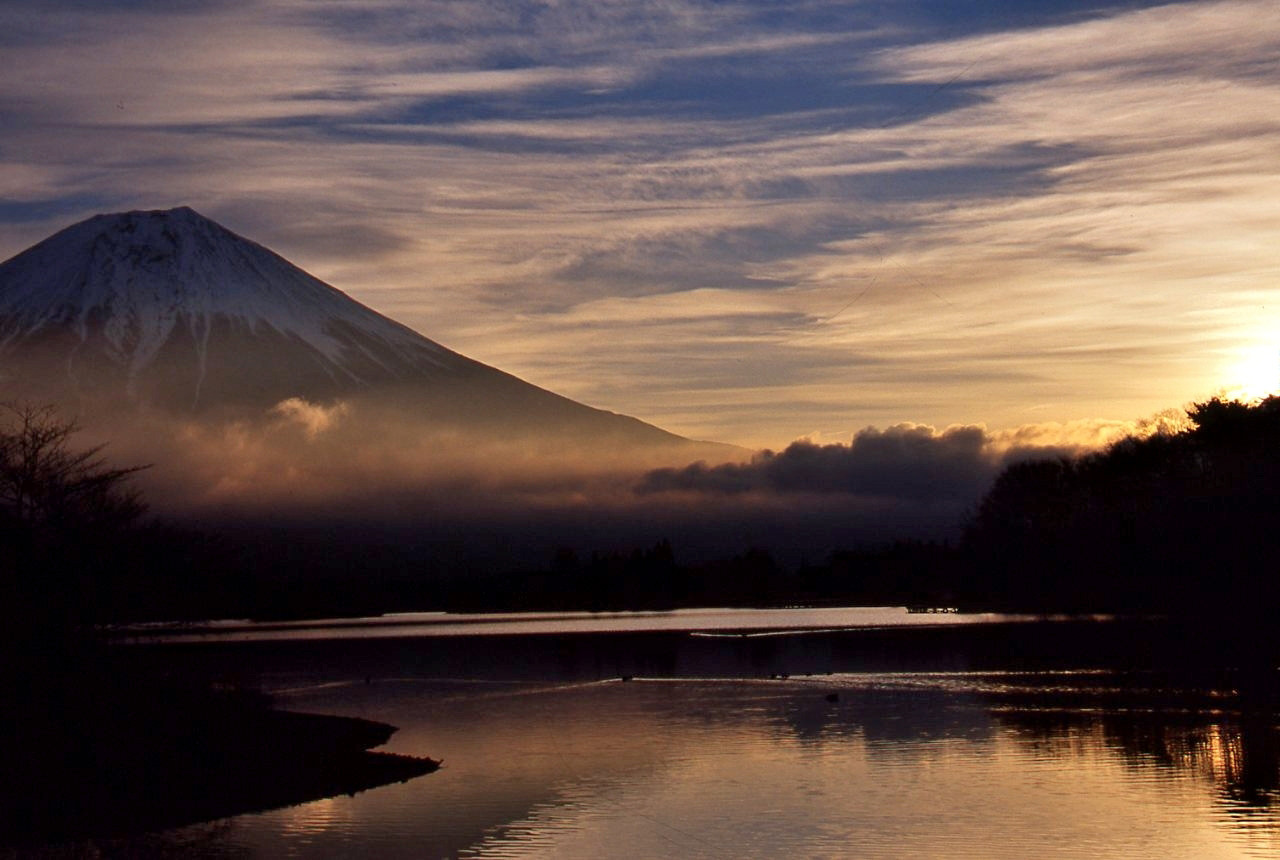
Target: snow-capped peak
167	311
135	280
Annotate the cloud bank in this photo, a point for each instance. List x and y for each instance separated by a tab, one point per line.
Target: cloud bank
367	467
904	464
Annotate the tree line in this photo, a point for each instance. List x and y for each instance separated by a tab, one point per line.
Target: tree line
1175	522
1172	521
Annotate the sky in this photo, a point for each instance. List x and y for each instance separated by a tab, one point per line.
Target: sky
744	221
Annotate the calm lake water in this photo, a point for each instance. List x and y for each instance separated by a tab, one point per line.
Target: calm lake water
699	736
701	621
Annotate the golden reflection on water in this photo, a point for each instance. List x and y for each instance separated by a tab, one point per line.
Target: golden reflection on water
875	766
313	818
1215	753
760	622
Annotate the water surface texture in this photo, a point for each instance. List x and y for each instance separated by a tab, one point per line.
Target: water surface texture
906	744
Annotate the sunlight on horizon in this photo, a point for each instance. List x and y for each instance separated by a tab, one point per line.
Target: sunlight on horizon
1255	374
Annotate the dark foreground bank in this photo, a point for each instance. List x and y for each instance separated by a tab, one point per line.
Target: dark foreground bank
101	750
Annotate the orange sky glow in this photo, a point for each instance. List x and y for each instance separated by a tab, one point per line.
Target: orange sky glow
734	225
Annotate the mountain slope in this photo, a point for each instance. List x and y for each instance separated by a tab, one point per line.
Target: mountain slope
167	310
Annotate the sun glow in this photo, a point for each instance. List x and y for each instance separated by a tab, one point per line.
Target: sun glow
1255	374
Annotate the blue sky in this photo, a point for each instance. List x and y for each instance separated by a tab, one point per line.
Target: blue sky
743	221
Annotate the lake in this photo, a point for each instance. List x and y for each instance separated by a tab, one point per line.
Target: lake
796	733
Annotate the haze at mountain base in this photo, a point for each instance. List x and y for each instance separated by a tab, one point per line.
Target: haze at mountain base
264	397
168	311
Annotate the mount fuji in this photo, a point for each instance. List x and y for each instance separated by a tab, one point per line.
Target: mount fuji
169	311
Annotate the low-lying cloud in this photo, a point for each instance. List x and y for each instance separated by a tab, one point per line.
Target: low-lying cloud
509	501
906	463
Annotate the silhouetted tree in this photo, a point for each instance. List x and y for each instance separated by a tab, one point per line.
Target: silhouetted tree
63	514
1172	521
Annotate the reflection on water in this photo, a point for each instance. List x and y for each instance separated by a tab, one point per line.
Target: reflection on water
752	622
958	763
773	768
820	745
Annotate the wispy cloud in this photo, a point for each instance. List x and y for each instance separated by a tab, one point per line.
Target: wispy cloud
737	224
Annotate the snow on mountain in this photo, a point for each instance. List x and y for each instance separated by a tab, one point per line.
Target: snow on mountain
169	310
135	280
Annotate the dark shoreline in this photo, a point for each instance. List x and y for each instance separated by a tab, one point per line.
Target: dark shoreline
101	758
116	754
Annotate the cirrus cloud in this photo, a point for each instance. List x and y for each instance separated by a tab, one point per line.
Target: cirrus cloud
844	215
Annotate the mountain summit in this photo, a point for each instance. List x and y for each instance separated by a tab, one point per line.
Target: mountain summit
169	310
179	310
